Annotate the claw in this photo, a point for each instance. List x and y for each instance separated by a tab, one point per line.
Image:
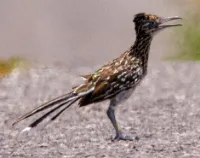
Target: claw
120	136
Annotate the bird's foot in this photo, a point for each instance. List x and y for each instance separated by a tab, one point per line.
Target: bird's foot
120	136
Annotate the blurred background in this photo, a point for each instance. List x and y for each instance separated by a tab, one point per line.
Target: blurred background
79	33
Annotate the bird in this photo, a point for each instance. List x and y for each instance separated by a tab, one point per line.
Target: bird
114	81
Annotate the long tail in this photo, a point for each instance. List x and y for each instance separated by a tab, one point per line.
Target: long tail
64	98
57	103
36	122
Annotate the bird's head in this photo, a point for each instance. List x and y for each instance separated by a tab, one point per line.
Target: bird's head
150	24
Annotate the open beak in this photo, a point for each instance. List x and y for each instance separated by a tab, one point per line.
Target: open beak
162	22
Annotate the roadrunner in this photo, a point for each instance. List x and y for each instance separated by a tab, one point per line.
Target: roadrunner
114	81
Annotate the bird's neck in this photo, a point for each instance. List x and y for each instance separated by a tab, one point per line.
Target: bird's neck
141	48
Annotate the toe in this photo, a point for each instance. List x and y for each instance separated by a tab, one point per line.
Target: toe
121	137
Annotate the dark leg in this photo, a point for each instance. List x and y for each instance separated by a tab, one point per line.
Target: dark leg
111	116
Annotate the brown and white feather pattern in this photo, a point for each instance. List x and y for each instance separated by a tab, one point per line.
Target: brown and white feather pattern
119	75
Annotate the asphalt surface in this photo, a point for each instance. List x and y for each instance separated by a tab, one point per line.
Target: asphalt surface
163	113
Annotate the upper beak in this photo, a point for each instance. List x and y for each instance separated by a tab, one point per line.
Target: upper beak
164	20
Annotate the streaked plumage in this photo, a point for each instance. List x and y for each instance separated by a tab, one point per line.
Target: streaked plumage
116	80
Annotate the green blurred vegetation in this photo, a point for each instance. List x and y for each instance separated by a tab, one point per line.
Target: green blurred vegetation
188	39
7	66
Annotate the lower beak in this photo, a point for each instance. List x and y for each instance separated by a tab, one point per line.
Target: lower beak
164	20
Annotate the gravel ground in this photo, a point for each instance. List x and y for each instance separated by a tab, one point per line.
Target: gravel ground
164	112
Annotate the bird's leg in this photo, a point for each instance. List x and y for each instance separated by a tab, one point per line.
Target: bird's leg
111	116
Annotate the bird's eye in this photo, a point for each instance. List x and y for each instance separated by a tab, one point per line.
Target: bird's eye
152	23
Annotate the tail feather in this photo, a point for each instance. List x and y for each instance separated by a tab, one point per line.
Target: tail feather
61	111
39	120
64	98
69	98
